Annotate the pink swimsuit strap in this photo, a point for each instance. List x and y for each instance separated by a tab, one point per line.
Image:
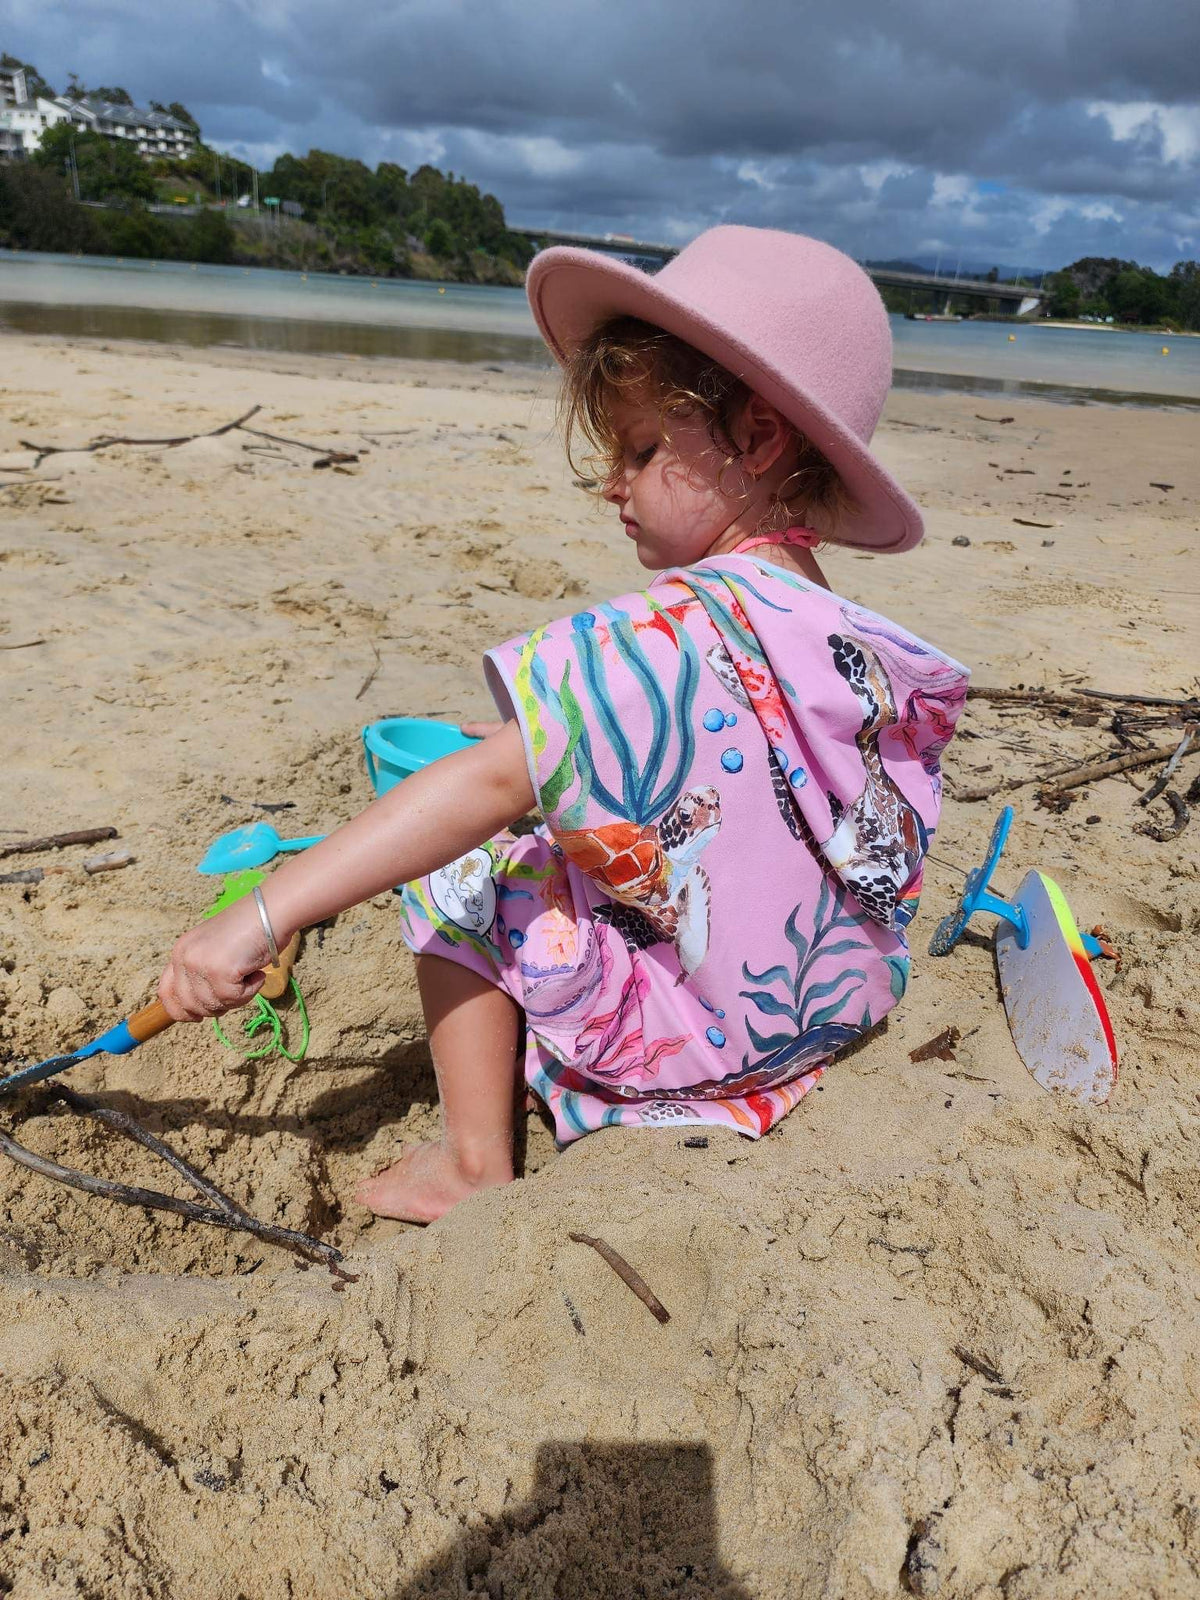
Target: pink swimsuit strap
804	537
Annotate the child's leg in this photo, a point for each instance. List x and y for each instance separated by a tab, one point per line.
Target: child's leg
473	1038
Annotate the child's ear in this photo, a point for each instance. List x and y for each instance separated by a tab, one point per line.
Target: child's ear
762	434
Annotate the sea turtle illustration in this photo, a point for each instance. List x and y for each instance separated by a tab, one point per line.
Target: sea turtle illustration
878	839
654	868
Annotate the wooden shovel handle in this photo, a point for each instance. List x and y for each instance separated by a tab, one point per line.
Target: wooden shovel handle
148	1022
155	1019
277	977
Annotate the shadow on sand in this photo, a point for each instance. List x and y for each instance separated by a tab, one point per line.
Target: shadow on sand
605	1520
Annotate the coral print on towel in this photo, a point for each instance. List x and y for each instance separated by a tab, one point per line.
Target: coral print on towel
738	776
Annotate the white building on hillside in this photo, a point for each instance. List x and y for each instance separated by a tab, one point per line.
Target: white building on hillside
155	133
13	87
24	120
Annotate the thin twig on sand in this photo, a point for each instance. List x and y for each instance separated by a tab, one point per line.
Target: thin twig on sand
107	441
626	1274
371	676
330	456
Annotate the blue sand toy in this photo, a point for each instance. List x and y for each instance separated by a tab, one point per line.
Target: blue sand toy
251	846
399	746
975	897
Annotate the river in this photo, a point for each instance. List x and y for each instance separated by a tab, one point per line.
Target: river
181	303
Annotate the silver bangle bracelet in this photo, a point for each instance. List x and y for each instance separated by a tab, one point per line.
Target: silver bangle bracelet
266	925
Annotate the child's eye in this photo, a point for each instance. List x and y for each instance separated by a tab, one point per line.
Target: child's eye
642	456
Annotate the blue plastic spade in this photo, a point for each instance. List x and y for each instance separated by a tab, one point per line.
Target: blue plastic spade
250	846
976	897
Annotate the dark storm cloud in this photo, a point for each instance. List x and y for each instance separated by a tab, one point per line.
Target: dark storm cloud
1032	130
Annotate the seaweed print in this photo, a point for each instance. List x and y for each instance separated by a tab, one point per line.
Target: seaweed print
811	1031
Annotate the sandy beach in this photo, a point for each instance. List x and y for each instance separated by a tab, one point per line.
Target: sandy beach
486	1409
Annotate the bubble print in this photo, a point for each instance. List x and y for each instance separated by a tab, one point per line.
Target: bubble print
714	720
798	777
732	760
716	1037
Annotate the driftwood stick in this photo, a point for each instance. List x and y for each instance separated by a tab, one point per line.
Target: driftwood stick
123	1123
1182	817
225	1213
1070	777
1164	777
626	1274
56	841
1143	699
1106	769
22	644
131	1195
106	442
1072	697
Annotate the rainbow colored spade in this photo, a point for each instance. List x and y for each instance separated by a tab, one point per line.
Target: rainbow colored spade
1056	1012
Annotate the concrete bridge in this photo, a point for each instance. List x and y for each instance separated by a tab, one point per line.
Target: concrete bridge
940	290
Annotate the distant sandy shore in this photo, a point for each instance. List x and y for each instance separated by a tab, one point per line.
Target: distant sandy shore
938	1322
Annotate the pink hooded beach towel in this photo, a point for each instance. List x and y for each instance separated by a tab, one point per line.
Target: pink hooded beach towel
738	776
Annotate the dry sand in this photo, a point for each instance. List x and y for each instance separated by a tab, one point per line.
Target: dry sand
183	1414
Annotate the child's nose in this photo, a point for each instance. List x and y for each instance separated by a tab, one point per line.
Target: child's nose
615	489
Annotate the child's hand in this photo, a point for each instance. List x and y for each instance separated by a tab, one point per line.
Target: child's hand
216	966
479	730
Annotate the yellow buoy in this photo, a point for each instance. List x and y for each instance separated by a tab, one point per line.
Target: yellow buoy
1166	349
1012	338
441	291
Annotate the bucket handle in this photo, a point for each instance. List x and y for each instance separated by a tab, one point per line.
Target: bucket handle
369	757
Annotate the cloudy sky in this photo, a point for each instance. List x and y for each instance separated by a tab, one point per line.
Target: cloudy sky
1018	131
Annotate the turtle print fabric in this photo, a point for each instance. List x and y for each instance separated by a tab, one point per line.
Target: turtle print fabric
737	773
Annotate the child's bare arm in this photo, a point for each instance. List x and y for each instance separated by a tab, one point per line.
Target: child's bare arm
428	820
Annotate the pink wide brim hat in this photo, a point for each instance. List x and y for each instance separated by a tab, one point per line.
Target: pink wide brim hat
797	321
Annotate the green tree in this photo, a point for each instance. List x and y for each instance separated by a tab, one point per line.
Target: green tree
1064	295
109	169
1138	295
37	213
1185	293
182	114
118	96
440	240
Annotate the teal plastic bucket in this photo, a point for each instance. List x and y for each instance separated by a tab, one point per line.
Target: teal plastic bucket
399	746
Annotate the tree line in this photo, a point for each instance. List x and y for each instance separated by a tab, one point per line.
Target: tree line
385	222
1098	286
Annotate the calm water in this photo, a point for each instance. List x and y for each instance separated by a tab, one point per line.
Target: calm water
179	303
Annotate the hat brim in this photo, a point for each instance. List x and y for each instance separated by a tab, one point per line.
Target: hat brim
572	291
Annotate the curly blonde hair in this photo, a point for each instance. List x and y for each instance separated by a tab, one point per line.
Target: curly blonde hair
627	359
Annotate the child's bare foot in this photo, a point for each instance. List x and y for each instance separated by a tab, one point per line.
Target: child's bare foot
427	1180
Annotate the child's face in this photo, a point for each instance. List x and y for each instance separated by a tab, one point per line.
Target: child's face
675	500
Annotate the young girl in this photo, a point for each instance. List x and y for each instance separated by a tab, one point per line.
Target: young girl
736	771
